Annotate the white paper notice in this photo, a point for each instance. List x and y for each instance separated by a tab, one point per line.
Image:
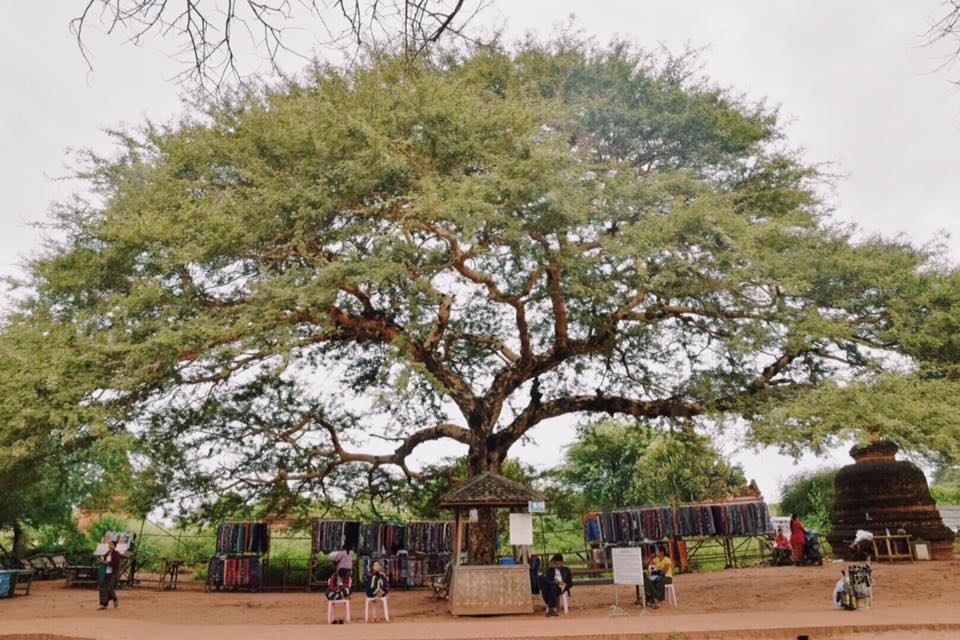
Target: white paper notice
521	529
627	565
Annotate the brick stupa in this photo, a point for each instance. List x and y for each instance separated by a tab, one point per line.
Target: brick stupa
878	493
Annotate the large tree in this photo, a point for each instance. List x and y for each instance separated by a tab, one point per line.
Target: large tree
300	287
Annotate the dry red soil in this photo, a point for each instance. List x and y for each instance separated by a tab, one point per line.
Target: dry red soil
918	600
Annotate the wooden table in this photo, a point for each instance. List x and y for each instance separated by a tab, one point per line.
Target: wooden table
24	581
171	573
81	575
895	546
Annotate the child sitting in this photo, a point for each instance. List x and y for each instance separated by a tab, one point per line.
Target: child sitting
377	584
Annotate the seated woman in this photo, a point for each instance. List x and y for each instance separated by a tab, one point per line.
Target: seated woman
377	584
781	548
338	587
661	574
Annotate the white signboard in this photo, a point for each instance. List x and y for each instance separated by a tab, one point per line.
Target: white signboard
537	507
521	529
627	565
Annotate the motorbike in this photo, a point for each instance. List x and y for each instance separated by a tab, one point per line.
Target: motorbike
812	551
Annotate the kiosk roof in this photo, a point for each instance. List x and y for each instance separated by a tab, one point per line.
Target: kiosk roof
490	490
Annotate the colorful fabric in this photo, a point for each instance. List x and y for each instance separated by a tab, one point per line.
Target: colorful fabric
386	538
242	537
636	524
377	585
234	571
402	570
335	582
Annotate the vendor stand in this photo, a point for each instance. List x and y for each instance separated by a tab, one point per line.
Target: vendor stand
86	575
488	589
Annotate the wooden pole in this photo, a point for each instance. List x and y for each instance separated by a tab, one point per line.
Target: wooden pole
459	544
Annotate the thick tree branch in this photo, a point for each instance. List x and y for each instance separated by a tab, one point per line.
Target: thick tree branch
537	411
338	455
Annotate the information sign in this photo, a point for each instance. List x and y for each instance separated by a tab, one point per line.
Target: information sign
627	565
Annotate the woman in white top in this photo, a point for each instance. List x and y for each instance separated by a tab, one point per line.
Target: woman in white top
108	588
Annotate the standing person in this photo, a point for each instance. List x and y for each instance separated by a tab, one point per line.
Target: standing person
343	559
798	539
338	587
661	574
377	584
558	581
108	587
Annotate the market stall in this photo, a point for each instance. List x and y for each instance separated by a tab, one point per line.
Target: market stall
87	575
488	589
734	530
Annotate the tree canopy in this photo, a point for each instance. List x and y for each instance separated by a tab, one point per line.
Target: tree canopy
296	289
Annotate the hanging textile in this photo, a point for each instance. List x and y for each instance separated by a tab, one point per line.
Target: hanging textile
634	525
403	570
384	538
234	571
243	537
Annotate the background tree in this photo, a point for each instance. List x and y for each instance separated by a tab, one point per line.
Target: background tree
685	467
811	496
211	37
945	487
461	249
601	464
615	464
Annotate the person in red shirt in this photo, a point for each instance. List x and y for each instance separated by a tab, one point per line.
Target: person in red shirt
338	587
781	548
798	539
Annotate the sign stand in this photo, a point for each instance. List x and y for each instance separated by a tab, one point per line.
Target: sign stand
627	569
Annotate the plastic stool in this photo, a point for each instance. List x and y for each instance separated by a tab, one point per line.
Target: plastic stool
366	609
566	601
671	592
330	603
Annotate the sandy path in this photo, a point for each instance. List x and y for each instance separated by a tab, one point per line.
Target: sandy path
761	602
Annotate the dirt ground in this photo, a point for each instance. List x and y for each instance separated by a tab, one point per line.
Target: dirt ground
917	600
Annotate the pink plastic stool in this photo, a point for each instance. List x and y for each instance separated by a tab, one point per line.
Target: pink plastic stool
330	603
366	609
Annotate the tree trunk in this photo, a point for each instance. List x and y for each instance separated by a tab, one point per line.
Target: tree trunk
482	545
17	539
483	538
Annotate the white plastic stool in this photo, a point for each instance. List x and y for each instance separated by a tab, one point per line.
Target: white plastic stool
671	592
330	603
566	601
366	609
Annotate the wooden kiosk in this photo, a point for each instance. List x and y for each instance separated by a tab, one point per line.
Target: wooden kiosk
488	589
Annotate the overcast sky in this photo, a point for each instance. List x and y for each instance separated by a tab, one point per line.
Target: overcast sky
852	80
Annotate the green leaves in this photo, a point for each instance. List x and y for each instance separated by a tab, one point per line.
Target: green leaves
616	464
404	251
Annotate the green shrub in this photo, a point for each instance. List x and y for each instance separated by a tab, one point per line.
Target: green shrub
811	496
